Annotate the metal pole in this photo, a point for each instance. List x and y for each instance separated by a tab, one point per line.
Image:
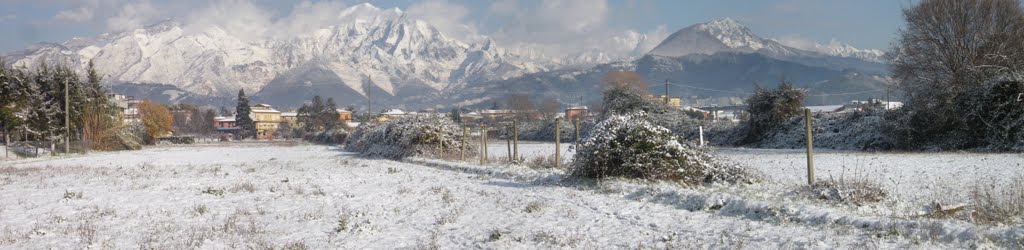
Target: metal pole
558	147
666	91
67	119
810	146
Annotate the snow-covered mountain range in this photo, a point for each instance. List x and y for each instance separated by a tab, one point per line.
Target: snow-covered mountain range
727	35
401	59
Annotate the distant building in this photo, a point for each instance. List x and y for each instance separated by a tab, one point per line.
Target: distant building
290	117
344	115
225	124
672	101
266	119
578	112
389	114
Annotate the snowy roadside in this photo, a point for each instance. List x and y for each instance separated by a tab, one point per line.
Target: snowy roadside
320	197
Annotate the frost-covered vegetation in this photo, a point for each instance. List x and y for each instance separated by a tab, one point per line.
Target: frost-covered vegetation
631	146
963	94
412	135
627	142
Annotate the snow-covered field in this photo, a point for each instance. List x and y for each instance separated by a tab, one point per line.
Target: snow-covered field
245	195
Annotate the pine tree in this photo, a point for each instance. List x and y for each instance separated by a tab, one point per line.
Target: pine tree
329	115
245	124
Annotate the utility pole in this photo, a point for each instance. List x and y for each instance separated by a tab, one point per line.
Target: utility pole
369	101
666	91
67	119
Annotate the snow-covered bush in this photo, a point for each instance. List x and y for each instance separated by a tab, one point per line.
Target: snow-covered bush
770	108
334	136
989	115
631	146
412	135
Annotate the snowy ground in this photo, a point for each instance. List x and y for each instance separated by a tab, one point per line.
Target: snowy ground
239	195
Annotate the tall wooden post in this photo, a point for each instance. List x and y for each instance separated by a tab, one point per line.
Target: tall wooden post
508	143
483	149
810	146
67	119
465	133
515	140
558	148
576	125
701	135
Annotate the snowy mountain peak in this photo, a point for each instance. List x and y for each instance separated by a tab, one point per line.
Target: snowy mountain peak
731	33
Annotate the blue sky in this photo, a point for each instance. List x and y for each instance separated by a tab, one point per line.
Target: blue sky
863	24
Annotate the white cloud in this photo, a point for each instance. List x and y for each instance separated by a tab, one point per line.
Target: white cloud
447	17
240	18
80	14
133	15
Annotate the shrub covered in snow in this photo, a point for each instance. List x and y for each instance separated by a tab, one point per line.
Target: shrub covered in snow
631	146
770	108
333	136
412	135
989	115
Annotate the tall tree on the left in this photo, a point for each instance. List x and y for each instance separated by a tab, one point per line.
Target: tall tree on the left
245	124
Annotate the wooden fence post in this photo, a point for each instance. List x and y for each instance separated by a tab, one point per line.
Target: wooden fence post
508	143
515	139
558	148
577	126
810	148
465	133
483	136
482	148
701	135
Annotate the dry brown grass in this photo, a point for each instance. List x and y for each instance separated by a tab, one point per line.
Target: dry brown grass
854	192
998	204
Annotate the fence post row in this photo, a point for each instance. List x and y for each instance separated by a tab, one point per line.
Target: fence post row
810	147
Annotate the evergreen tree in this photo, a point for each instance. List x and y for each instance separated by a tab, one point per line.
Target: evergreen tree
329	115
456	115
246	126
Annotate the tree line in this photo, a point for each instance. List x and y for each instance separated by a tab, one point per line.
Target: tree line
33	105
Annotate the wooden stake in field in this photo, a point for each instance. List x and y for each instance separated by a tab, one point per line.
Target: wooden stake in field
483	136
465	133
558	147
576	125
701	135
515	140
482	148
810	146
508	143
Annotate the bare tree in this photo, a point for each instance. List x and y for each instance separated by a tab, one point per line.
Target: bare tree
949	48
626	78
520	104
550	107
